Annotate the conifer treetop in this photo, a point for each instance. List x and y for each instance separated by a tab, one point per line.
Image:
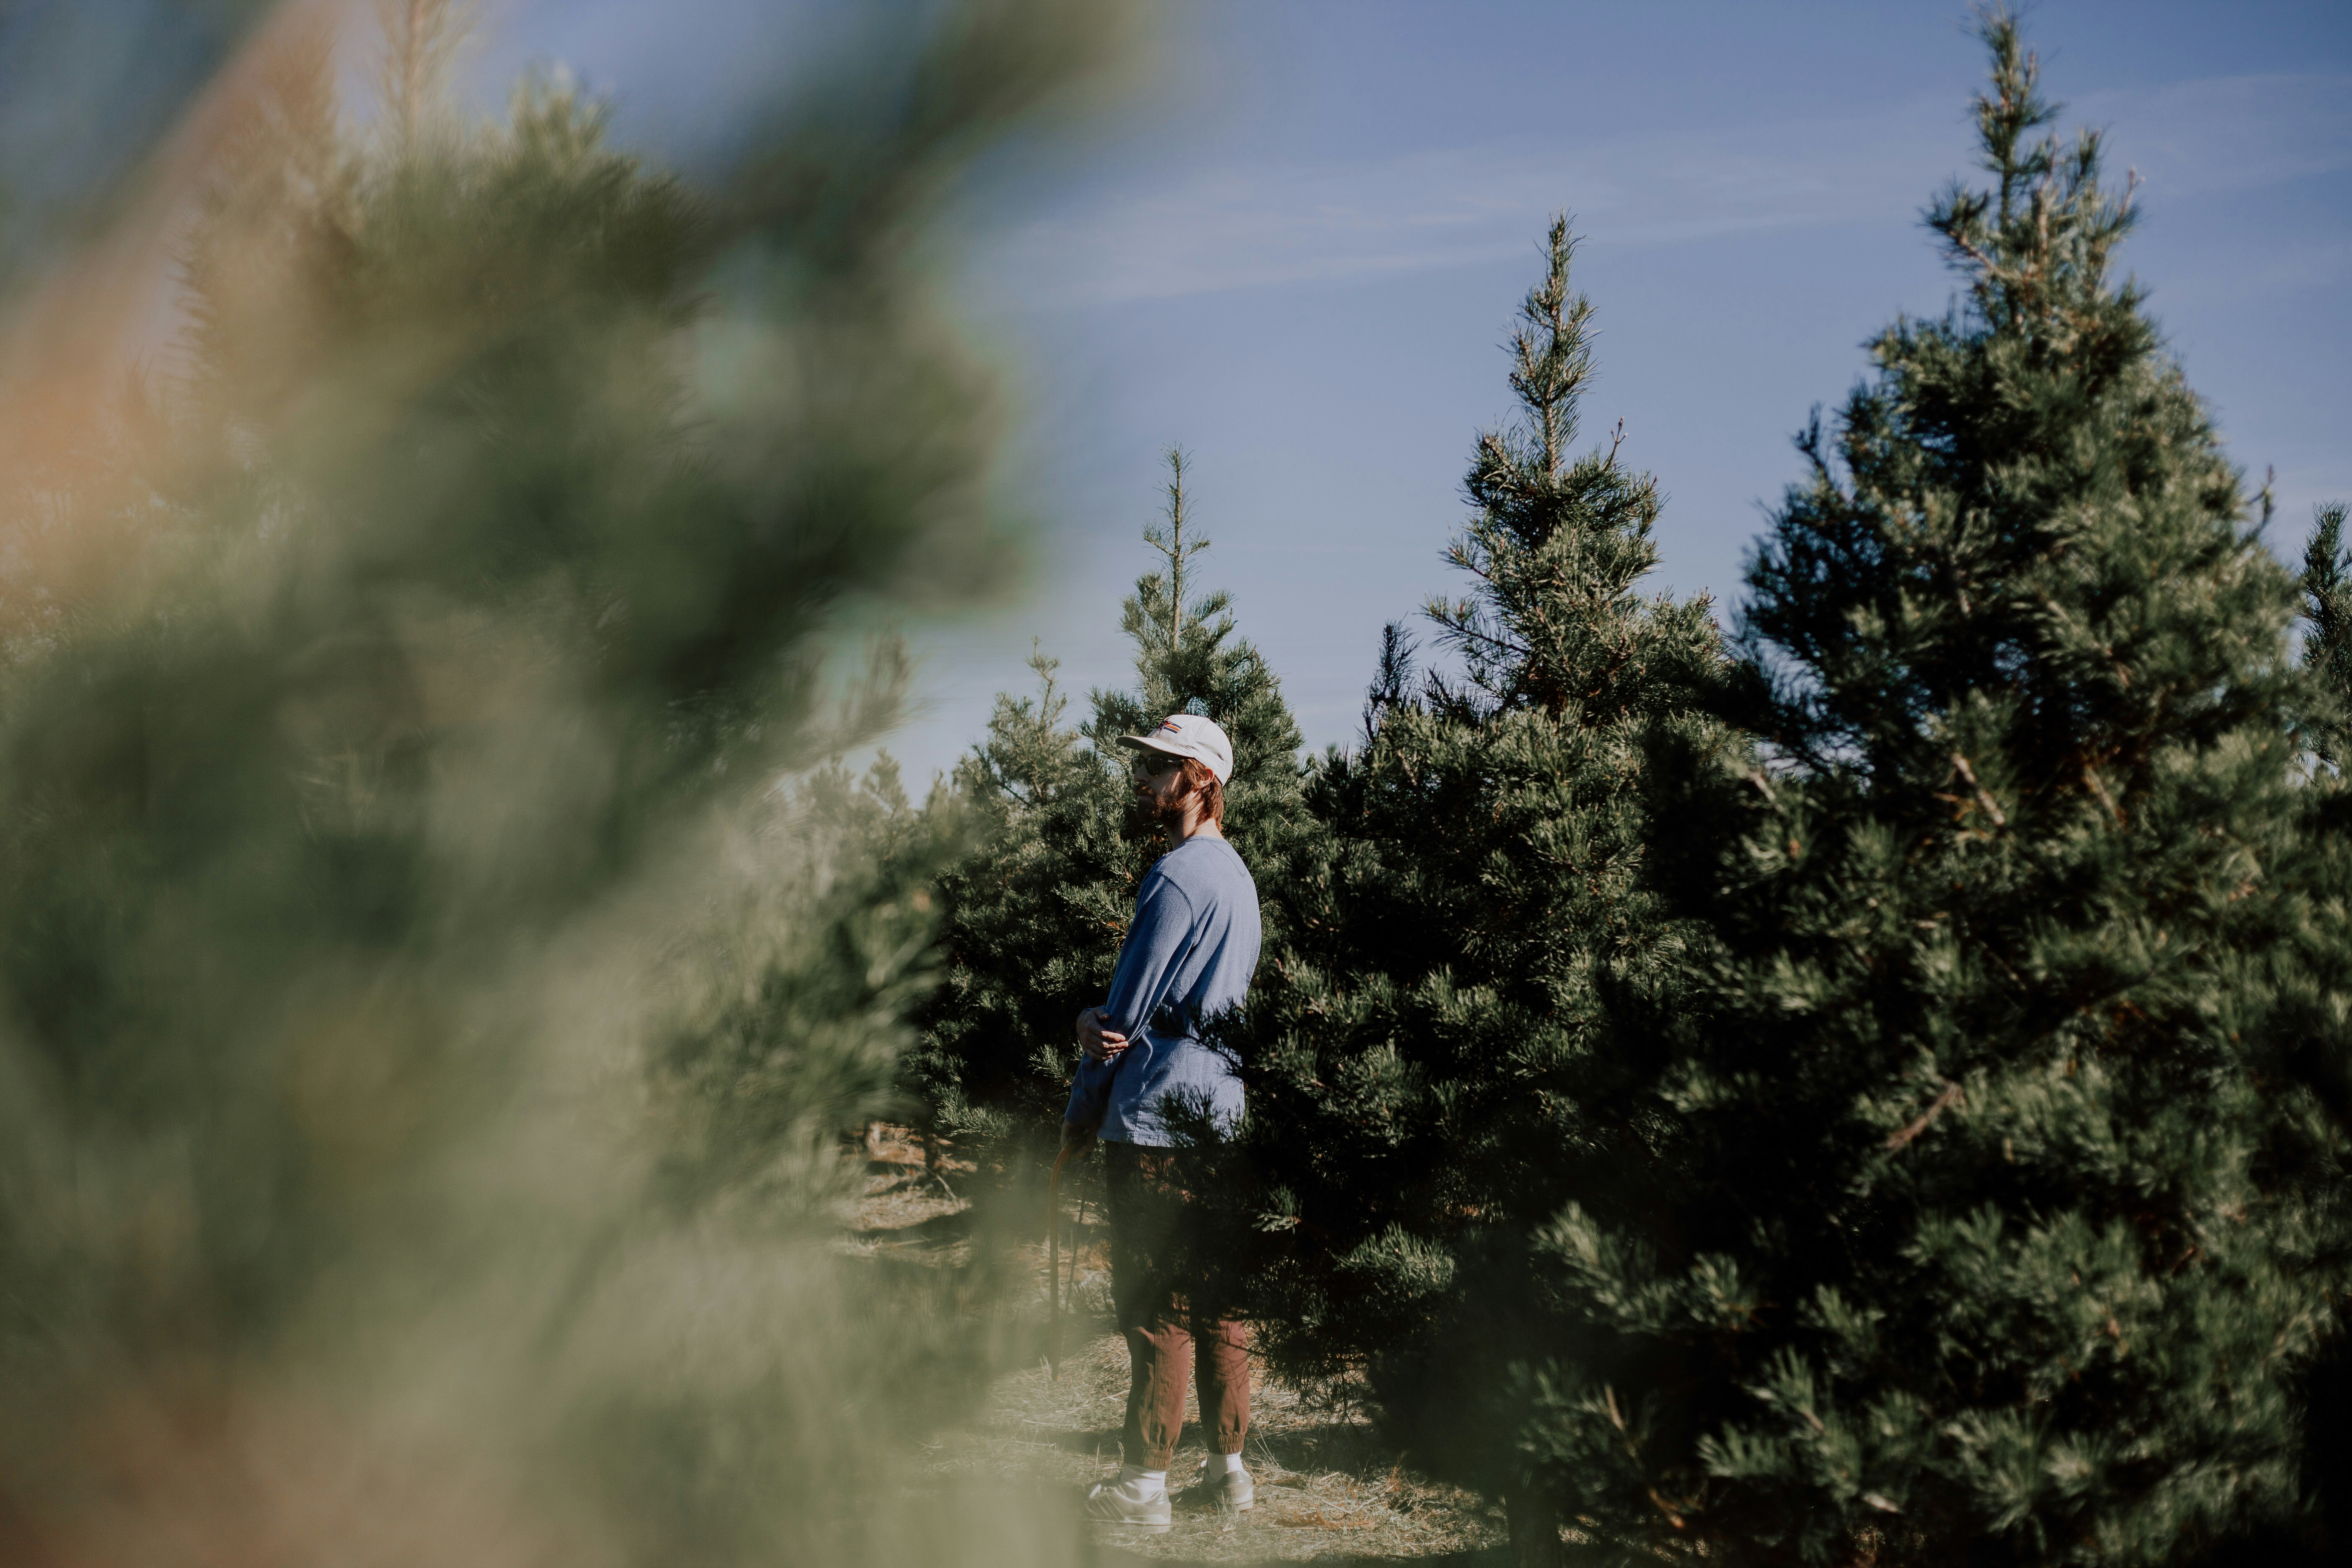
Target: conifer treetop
1175	639
2010	509
2035	248
422	39
1177	549
1188	659
1556	542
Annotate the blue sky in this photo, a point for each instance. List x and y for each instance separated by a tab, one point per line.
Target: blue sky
1297	247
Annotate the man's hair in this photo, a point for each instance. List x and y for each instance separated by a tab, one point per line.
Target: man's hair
1205	784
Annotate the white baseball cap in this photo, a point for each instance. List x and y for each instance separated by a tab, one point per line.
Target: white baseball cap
1190	735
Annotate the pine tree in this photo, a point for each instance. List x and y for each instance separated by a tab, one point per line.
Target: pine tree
1994	1224
1433	1068
1033	926
2320	1531
2327	646
1039	909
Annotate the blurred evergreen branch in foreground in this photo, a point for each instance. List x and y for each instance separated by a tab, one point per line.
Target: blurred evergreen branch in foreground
87	88
423	1023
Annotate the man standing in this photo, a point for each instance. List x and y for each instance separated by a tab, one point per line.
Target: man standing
1189	955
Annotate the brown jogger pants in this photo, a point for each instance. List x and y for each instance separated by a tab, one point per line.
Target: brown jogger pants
1166	1328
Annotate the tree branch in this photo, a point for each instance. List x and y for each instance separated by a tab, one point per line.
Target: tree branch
1953	1095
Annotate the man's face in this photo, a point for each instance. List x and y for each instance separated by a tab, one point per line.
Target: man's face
1160	783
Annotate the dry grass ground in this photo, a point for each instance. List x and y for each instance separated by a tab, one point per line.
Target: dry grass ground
1328	1492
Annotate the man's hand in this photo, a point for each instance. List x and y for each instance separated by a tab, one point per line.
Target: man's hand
1099	1044
1077	1137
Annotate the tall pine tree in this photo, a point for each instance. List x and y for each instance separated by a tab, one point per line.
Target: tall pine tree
1433	1068
2327	644
1995	1220
2320	1529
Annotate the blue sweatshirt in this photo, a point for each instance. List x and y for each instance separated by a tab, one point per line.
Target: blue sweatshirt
1188	957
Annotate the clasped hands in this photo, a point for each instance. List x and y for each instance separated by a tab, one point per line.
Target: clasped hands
1099	1044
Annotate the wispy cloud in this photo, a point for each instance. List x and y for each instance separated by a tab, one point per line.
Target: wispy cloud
2191	138
1256	228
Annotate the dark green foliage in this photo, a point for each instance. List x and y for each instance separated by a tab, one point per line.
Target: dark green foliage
2320	1529
1996	1224
1035	912
819	951
1038	911
2328	643
1433	1068
2326	729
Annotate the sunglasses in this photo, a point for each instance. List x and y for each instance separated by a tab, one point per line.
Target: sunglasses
1145	770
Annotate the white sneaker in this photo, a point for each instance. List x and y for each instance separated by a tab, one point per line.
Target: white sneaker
1140	1504
1223	1490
